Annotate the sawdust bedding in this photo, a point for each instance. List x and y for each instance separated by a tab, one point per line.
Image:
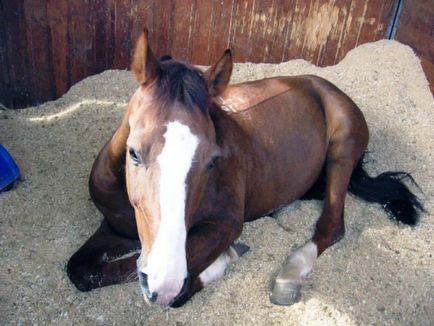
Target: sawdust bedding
381	273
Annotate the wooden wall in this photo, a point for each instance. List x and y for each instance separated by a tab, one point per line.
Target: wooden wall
416	28
48	45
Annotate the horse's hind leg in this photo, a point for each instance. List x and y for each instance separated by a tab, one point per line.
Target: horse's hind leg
105	259
329	230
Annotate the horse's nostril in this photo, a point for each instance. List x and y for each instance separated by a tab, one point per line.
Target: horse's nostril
143	279
152	296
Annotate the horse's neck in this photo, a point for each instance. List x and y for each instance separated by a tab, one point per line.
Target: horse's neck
230	136
117	144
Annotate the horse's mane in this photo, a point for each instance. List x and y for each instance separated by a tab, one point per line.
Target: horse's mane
180	82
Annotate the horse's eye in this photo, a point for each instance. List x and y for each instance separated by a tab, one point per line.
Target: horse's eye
212	163
134	156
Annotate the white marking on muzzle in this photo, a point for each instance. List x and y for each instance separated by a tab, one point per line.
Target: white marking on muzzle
167	264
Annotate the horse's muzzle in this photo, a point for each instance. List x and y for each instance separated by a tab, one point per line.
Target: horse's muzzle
152	297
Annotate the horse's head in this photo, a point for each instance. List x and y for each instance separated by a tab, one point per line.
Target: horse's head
171	153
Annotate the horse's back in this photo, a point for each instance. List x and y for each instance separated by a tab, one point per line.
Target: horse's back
307	100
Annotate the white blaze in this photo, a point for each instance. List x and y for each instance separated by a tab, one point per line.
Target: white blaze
167	264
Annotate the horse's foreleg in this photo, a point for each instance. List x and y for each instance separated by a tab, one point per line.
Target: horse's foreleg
209	253
329	229
216	270
105	259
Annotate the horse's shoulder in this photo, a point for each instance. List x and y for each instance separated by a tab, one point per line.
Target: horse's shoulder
240	97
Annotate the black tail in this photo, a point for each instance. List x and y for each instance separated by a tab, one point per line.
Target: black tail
387	189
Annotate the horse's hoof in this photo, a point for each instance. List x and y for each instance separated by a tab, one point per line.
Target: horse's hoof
285	293
240	248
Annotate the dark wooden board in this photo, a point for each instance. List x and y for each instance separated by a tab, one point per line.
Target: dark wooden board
15	77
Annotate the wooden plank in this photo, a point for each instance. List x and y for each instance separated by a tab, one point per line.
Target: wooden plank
57	13
6	97
220	36
329	51
142	16
123	41
80	40
374	20
278	31
201	32
99	29
109	39
5	81
162	29
337	40
241	29
264	17
416	29
38	47
184	13
15	82
295	34
287	11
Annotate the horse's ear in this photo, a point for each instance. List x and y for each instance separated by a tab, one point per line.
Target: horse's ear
145	66
219	74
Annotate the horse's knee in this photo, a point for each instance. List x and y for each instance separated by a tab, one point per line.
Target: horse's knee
81	267
78	270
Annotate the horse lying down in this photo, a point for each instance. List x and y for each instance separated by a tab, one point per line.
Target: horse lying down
194	158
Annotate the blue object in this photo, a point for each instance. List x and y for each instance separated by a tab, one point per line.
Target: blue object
9	171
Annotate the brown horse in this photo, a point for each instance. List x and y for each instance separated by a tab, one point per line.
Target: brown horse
194	158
